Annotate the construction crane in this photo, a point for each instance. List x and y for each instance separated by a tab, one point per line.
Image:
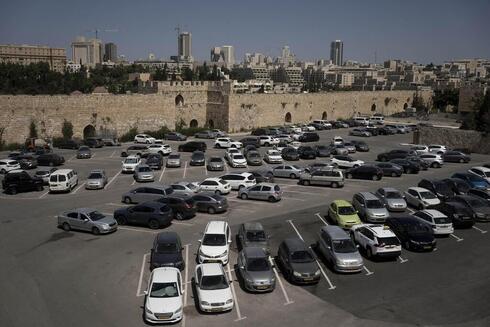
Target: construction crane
97	30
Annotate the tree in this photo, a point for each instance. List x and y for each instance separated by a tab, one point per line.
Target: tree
67	129
187	74
418	104
32	130
482	116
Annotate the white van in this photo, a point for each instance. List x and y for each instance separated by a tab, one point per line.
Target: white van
323	122
63	180
377	120
362	121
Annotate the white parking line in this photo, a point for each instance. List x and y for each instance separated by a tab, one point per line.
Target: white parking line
226	167
185	169
71	158
186	280
237	307
112	154
480	230
205	170
411	210
458	239
321	218
116	204
134	182
136	230
368	273
332	287
279	280
93	155
182	223
294	199
142	271
401	259
112	180
301	192
161	175
43	195
79	187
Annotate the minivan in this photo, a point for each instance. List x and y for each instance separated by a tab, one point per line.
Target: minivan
377	120
63	180
361	121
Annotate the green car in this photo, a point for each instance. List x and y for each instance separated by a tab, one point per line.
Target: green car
343	213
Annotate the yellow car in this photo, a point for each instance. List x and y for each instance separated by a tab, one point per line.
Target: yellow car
343	214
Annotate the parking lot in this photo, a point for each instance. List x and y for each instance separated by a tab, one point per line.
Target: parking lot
51	278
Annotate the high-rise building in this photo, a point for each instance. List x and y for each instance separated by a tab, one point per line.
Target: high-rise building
228	54
185	46
216	54
110	52
88	53
29	54
337	52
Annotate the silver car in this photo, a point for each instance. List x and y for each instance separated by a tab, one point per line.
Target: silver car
143	173
253	235
215	164
369	207
84	152
185	188
350	147
324	176
255	270
288	171
263	191
434	160
254	158
97	179
87	219
392	198
147	193
340	149
173	161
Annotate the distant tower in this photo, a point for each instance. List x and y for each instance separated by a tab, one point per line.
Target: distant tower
185	45
228	54
110	53
337	52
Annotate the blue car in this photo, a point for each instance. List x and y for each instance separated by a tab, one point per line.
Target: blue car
473	180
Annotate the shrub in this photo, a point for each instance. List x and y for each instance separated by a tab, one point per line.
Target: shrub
32	130
67	129
159	134
129	135
10	146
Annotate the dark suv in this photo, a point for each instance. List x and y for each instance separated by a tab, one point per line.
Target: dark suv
306	152
441	189
309	137
193	146
182	207
20	181
393	154
50	159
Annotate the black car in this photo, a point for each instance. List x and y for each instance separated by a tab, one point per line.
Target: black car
154	161
50	159
210	203
413	234
193	146
290	154
393	154
385	130
459	213
423	164
152	214
372	129
408	166
183	207
93	142
361	146
479	193
174	136
390	169
479	207
261	131
306	152
297	262
167	251
455	156
441	189
365	172
69	144
263	176
457	185
21	181
197	158
27	161
309	137
248	148
323	150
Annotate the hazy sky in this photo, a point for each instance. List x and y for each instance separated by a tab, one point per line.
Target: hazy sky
423	31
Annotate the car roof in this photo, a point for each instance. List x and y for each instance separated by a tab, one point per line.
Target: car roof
389	189
380	230
254	252
215	227
132	156
295	244
342	203
368	195
216	179
335	232
167	237
165	274
418	189
484	169
82	210
253	226
61	171
211	269
434	213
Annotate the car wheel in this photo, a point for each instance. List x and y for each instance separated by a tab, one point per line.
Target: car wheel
241	187
349	176
292	176
13	190
335	185
376	178
39	188
66	227
95	231
409	170
211	210
393	174
121	220
153	224
272	199
244	196
127	200
179	216
218	192
436	165
369	253
461	160
407	245
266	144
306	182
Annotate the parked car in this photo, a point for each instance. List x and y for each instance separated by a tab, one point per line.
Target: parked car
306	152
350	147
93	142
297	262
86	219
214	246
255	270
260	132
338	249
161	149
287	171
16	181
111	142
144	138
328	177
207	134
360	146
323	150
267	140
343	214
386	130
437	148
155	215
441	189
421	198
309	137
49	159
459	213
434	160
482	172
174	136
212	288
392	199
154	161
413	234
340	150
97	179
456	156
219	133
253	158
183	207
360	132
263	176
27	161
143	173
69	144
44	175
473	180
408	166
253	235
369	207
164	296
192	146
436	220
376	240
420	149
249	148
373	130
147	193
273	157
63	180
216	185
364	172
139	150
173	161
478	207
215	164
226	142
346	162
237	160
130	163
210	203
238	181
393	154
197	159
84	152
480	194
263	191
457	185
250	141
423	164
389	169
185	188
167	251
319	166
229	152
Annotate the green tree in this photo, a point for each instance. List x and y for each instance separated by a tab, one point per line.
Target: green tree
187	74
32	130
482	116
67	129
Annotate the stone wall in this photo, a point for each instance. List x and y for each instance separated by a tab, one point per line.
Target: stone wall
453	138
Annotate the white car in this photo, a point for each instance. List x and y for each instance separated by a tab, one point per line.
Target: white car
296	135
144	138
230	152
438	222
226	142
346	162
421	198
296	129
420	149
295	144
7	165
337	140
129	164
214	246
164	296
162	149
219	133
212	288
437	148
308	128
284	137
237	160
216	185
482	172
239	180
376	240
266	140
273	156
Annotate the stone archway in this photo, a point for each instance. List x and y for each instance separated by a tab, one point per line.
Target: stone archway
211	123
193	123
287	118
373	107
324	115
88	131
179	100
405	106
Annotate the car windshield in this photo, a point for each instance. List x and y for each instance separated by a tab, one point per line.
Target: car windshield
393	195
131	161
198	156
84	148
257	264
95	215
442	220
256	236
162	290
296	167
174	156
238	156
144	169
191	186
347	210
344	246
321	147
374	204
388	241
301	256
477	203
416	228
214	240
167	247
95	176
214	282
223	182
254	155
216	160
427	195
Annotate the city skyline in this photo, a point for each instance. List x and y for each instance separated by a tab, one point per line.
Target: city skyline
418	31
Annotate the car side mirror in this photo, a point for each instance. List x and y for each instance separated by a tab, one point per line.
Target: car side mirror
182	291
229	241
145	292
357	246
329	247
199	240
242	267
85	219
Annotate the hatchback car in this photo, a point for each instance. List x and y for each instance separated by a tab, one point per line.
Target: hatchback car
273	157
350	147
237	160
216	185
441	189
459	213
185	188
365	172
173	161
143	173
183	207
409	167
290	154
174	136
97	179
473	180
197	159
482	172
263	176
343	214
210	203
7	165
253	235
167	251
438	222
192	146
253	158
87	219
213	290
456	156
392	198
389	169
413	234
214	246
263	191
44	174
370	207
215	164
154	161
376	240
434	160
297	262
361	146
84	152
421	198
152	214
255	270
346	162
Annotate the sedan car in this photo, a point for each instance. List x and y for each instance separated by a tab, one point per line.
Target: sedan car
143	173
213	290
350	147
389	169
263	176
456	156
361	146
192	146
255	270
174	136
215	164
287	171
273	157
253	158
306	152
459	213
205	135
148	193
323	151
360	132
408	166
210	203
364	172
473	180
87	219
185	188
346	162
84	152
413	234
97	179
253	235
479	207
237	160
197	159
173	161
392	198
152	214
343	214
263	191
297	262
482	172
216	185
167	251
290	154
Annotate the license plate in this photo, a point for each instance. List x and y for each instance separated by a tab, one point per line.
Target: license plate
308	279
261	287
427	247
